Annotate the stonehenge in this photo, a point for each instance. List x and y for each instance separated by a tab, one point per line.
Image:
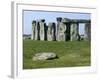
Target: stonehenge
64	29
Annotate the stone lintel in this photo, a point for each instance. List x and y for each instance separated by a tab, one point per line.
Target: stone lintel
41	20
80	21
67	20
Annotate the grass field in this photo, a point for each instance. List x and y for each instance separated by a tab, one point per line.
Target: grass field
71	54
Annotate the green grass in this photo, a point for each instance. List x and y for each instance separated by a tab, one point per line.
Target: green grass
71	53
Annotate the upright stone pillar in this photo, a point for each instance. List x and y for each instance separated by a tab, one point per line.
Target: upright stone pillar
74	31
54	31
51	33
87	33
42	29
62	32
45	31
37	31
58	28
66	29
33	30
63	29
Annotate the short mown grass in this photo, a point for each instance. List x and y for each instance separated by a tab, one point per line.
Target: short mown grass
70	53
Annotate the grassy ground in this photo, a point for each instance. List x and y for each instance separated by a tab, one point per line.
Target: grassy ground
71	53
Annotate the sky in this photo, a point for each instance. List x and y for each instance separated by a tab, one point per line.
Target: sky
29	16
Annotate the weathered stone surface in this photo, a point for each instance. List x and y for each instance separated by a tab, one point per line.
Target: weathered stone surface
59	19
33	29
51	31
44	56
63	29
37	31
67	31
74	31
66	28
80	21
62	32
87	34
42	31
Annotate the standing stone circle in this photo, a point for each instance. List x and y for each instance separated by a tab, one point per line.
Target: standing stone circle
64	29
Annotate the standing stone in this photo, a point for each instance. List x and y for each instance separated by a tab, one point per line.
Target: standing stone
37	31
74	31
66	24
33	30
87	35
68	31
63	27
42	29
51	32
62	32
57	29
54	31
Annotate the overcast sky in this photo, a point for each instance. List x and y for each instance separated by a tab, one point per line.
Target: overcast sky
28	16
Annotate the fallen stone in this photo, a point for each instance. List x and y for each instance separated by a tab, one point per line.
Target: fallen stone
44	56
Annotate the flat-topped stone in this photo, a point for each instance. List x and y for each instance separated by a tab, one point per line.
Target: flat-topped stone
80	21
44	56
